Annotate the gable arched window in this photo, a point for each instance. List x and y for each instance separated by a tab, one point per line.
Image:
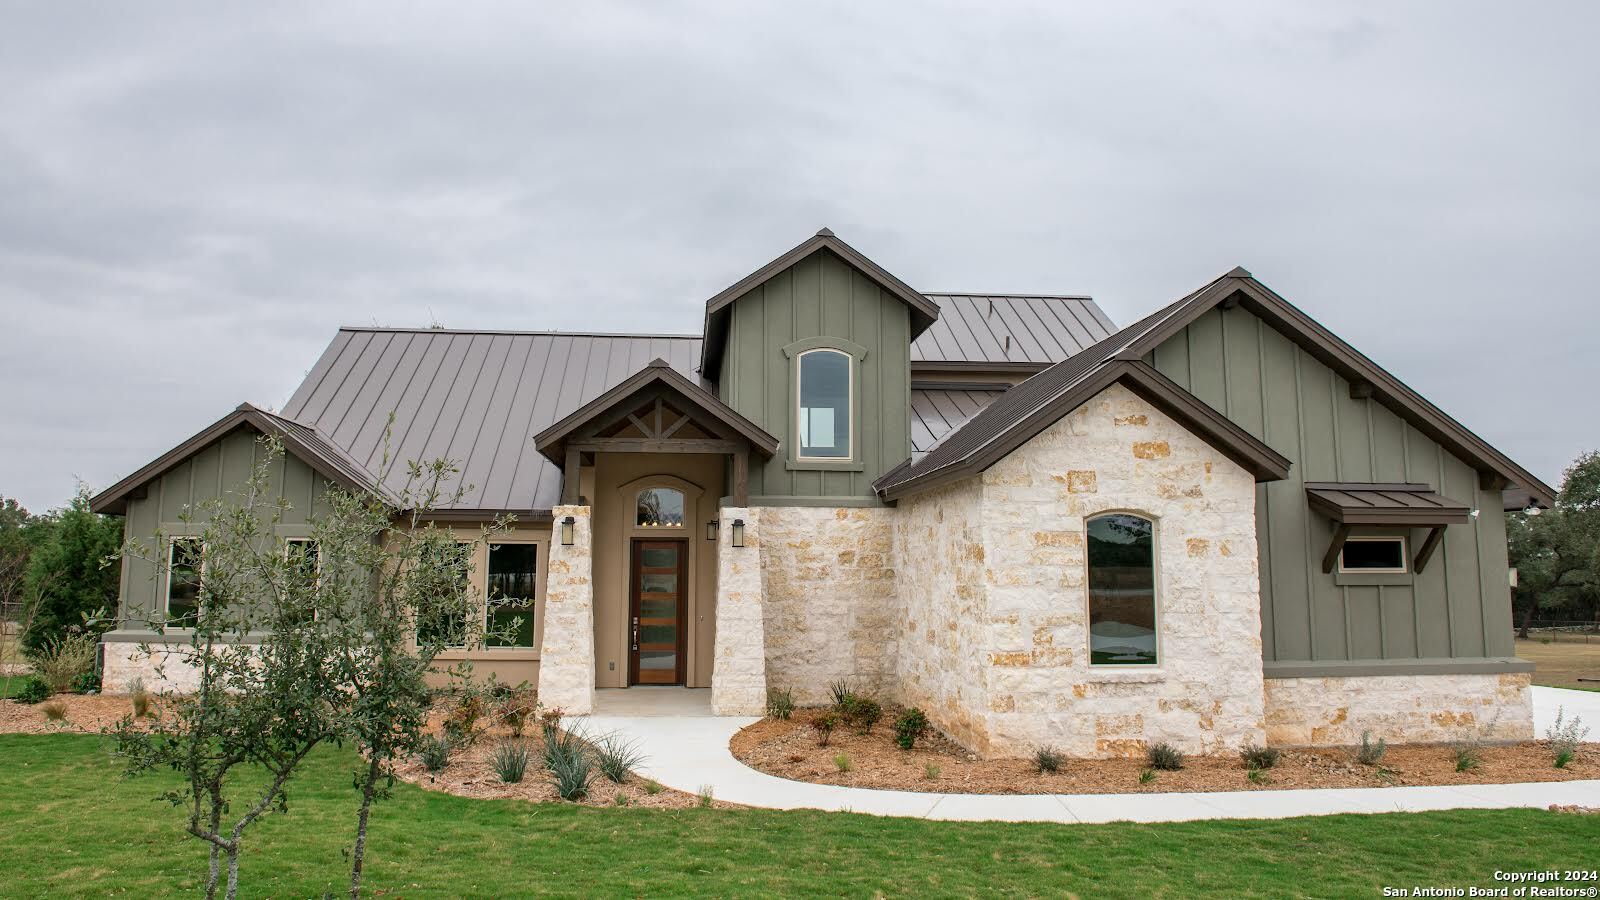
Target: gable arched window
824	395
1122	590
659	507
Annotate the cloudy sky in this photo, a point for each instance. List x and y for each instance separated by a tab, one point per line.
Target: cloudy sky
193	198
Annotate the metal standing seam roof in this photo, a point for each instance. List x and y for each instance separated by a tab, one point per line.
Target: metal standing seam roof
936	413
474	397
1013	328
1360	503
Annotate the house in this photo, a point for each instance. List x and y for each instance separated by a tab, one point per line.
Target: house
1219	526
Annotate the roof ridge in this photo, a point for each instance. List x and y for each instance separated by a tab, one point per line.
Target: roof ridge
532	332
1009	295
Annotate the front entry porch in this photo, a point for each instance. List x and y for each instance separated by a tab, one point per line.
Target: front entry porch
642	700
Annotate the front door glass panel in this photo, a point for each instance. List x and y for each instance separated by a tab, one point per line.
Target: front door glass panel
657	627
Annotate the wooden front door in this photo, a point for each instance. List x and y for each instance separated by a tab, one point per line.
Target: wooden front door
658	588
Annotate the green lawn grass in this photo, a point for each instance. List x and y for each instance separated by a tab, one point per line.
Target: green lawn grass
71	827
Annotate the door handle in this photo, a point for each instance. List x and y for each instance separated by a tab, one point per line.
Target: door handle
636	632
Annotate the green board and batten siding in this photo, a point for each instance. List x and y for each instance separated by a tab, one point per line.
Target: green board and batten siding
1457	608
223	467
820	296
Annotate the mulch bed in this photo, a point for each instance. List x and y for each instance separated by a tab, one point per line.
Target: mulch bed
470	773
788	749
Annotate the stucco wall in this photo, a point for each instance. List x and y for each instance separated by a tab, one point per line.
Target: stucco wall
1331	711
829	596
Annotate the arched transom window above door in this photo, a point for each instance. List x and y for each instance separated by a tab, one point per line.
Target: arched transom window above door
659	507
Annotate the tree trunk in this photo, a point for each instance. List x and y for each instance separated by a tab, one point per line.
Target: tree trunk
368	789
233	873
1527	619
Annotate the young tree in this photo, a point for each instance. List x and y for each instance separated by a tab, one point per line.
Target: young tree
70	572
1557	551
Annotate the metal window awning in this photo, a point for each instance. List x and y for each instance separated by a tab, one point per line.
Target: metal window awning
1401	505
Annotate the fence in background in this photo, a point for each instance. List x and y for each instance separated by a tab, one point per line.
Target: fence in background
1563	631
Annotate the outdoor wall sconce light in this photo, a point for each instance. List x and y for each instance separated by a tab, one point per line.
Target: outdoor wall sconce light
567	527
738	533
711	530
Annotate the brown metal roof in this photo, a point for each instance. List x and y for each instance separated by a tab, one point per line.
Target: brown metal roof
303	441
474	397
1034	405
937	412
1016	329
1363	503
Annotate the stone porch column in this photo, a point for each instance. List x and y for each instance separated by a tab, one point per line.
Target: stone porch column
566	655
739	670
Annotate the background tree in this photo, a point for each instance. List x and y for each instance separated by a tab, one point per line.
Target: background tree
72	575
19	531
1557	551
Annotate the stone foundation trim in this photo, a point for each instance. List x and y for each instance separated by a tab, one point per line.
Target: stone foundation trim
160	667
1334	712
739	665
566	657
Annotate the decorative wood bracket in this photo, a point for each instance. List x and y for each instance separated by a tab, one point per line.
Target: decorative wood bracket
1340	535
1435	537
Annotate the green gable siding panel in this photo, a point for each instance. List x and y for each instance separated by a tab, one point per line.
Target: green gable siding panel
820	296
1459	607
221	469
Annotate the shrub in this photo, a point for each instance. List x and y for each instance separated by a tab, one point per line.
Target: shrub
652	786
33	690
1369	753
550	722
909	727
1256	776
516	706
780	704
617	757
1147	776
434	753
930	772
841	694
62	661
1468	755
1165	757
140	698
706	795
1047	759
620	799
86	683
462	723
573	775
864	712
842	762
1259	757
55	711
824	725
511	760
1564	737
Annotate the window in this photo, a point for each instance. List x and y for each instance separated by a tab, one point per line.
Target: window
512	584
1122	590
306	561
185	565
824	395
1373	555
659	508
447	627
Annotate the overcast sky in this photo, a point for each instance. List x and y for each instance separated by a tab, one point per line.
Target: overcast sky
193	198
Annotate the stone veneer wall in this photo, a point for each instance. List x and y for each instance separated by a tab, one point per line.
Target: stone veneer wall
829	594
1334	711
1034	685
161	669
739	669
566	659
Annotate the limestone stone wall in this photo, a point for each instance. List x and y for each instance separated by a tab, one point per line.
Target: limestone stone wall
161	668
566	656
739	670
943	618
1323	712
1014	606
828	584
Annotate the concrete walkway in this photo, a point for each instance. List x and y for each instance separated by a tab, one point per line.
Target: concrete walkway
691	752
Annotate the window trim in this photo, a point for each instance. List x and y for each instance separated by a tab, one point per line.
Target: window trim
1405	557
540	561
1155	594
166	593
854	461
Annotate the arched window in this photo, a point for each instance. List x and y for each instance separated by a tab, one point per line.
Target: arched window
824	404
659	508
1122	590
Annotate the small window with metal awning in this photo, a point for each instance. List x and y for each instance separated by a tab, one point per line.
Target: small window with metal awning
1385	513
